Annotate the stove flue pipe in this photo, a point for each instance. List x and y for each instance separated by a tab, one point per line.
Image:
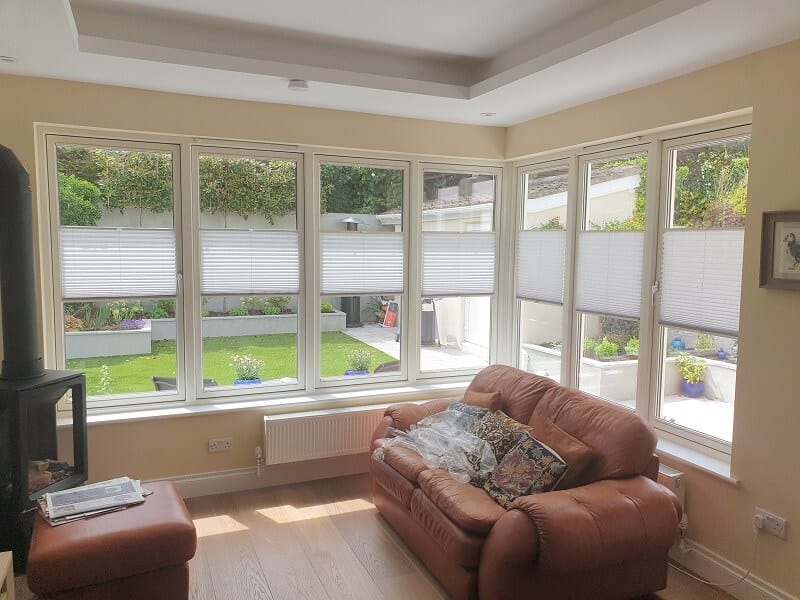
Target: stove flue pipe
22	357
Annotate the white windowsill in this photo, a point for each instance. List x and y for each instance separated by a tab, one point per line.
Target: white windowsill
344	399
711	465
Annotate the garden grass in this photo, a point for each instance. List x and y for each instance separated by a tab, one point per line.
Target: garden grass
131	374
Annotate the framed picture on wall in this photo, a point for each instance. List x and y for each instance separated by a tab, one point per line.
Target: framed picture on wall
780	250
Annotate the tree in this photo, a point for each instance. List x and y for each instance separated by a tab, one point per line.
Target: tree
79	161
361	190
246	187
138	180
78	201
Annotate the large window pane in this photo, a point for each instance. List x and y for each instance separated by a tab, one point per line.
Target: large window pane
249	254
699	381
118	267
609	277
540	270
362	256
455	333
540	338
701	280
458	270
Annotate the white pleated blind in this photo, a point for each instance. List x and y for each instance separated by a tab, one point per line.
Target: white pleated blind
240	261
117	262
457	264
540	265
609	272
361	263
701	279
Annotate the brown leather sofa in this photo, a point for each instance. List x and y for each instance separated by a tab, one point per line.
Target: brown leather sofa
608	538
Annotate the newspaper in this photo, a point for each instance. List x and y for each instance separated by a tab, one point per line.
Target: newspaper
89	499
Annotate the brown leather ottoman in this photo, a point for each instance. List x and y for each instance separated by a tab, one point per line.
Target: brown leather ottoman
135	554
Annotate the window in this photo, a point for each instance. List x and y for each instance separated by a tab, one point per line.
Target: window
608	278
249	268
540	269
458	274
701	272
362	270
114	219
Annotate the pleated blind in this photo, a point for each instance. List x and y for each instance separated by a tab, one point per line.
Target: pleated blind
117	262
540	265
609	272
457	264
361	263
240	261
701	279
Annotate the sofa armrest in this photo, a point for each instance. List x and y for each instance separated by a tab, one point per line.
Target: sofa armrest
403	416
603	523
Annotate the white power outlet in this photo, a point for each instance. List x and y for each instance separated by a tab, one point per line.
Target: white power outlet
770	523
220	444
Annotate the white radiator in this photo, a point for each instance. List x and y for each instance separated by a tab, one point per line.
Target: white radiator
674	480
319	434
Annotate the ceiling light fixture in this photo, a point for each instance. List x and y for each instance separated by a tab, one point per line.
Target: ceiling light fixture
488	114
7	59
298	85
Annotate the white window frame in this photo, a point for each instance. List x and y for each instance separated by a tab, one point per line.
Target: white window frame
49	222
232	151
501	254
666	206
657	146
313	281
522	173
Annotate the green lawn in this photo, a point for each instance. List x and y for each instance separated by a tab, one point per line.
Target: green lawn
127	374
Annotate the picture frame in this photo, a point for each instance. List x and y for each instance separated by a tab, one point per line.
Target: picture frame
780	250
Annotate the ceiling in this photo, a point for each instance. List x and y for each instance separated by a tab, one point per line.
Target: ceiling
449	60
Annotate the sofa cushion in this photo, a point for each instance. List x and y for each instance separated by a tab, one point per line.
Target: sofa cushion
465	505
395	484
519	391
574	452
489	400
470	410
499	431
530	467
460	546
404	460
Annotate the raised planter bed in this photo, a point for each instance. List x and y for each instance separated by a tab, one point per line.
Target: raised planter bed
164	329
90	344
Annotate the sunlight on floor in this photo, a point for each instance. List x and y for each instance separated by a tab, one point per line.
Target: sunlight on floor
290	514
217	525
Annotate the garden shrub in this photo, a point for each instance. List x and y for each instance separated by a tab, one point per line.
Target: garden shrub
326	307
269	309
79	201
606	348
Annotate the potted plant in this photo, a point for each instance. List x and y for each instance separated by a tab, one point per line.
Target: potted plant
606	349
693	373
632	346
358	362
247	369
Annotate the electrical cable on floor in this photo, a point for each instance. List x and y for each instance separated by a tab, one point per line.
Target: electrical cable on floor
680	569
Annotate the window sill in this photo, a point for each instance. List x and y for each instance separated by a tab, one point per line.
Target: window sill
321	401
711	465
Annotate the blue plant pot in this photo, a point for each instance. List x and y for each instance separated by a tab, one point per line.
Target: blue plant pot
678	345
693	390
247	382
351	373
722	354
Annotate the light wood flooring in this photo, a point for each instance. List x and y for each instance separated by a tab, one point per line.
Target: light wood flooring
317	540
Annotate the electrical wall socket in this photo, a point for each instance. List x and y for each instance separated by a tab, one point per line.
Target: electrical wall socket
772	524
220	444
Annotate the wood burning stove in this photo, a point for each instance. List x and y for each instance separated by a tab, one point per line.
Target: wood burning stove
30	461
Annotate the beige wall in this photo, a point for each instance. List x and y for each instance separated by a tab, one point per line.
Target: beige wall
765	436
768	405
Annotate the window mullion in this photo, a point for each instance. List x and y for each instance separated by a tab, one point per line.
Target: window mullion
312	259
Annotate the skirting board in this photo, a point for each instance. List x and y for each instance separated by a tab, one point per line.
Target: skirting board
237	480
713	567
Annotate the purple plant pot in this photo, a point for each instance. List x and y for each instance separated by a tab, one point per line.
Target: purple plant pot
693	390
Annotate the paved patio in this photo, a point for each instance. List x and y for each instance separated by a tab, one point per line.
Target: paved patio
433	358
712	417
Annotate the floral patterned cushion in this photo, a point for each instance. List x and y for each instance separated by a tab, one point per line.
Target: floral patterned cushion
530	467
500	431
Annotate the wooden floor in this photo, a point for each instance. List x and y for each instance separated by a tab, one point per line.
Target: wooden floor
317	540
